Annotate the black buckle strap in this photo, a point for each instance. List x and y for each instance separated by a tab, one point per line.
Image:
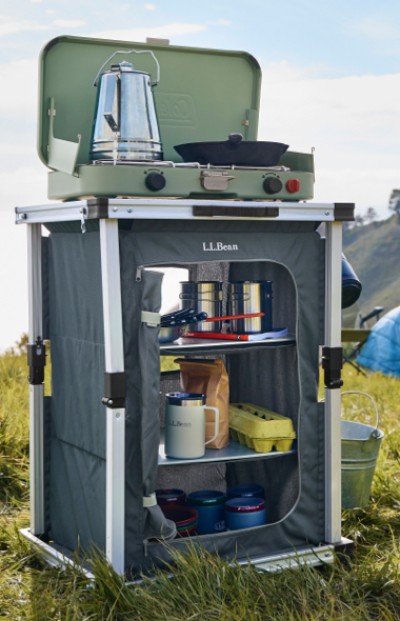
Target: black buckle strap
114	390
36	361
332	363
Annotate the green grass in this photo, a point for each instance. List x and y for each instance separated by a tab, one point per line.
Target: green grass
200	586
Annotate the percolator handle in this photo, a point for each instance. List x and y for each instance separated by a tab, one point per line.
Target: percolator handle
375	433
130	52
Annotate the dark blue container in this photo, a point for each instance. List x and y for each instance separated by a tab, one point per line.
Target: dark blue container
209	505
351	286
170	496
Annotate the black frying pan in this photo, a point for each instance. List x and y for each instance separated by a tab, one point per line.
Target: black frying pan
233	152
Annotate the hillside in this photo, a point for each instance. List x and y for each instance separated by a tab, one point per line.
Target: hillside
374	253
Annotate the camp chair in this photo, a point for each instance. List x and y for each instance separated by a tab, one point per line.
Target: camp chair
358	336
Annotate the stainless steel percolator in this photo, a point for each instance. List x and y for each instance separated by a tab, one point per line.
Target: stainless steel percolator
126	125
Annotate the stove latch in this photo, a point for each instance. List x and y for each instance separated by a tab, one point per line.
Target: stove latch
215	180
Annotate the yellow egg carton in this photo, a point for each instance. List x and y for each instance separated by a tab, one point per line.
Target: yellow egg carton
259	428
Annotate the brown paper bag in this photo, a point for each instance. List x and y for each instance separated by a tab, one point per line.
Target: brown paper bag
210	378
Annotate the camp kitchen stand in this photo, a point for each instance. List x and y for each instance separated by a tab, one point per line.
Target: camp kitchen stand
95	295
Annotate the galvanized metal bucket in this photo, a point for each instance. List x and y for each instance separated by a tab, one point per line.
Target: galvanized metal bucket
360	447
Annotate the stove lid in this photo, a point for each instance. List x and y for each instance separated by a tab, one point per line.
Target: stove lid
203	94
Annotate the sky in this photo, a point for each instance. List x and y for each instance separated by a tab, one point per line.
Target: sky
330	81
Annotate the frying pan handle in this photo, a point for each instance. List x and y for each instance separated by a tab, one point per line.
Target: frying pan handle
236	212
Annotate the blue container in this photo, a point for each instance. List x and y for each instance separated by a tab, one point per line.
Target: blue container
246	490
245	513
351	285
209	505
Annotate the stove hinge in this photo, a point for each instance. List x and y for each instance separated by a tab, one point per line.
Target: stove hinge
332	363
36	361
114	390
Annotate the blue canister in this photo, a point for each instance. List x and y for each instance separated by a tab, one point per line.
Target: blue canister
246	490
209	505
245	513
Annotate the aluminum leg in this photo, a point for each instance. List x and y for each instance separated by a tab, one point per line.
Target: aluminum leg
333	296
114	363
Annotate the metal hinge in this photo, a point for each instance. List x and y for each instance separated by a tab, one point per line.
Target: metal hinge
114	390
332	363
215	180
36	361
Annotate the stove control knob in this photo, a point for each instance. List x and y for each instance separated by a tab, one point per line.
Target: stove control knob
272	185
155	181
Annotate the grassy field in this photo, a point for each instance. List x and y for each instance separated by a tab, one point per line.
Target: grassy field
202	587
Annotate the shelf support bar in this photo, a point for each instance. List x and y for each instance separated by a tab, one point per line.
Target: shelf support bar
333	297
114	367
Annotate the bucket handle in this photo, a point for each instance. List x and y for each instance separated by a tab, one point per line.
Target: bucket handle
375	432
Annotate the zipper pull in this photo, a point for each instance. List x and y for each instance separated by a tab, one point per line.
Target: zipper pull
139	271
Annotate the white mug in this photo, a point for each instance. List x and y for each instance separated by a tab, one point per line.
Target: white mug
185	425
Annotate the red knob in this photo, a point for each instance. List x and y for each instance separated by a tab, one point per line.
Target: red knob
293	185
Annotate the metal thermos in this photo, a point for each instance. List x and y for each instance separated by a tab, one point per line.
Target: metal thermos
204	297
250	296
125	124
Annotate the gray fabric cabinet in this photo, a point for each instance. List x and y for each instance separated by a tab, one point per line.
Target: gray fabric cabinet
95	295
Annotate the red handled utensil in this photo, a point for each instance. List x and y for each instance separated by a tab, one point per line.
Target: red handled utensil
226	317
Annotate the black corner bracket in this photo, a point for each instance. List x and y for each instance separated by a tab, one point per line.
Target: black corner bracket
332	363
96	209
114	390
36	361
344	212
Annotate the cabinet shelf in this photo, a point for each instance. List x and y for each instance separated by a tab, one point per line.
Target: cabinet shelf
192	346
233	452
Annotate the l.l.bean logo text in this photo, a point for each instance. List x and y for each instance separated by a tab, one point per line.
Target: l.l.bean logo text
178	423
219	246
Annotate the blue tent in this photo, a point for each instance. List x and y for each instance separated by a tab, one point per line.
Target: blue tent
381	351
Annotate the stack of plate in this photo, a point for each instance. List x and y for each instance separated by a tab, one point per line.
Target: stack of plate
185	518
